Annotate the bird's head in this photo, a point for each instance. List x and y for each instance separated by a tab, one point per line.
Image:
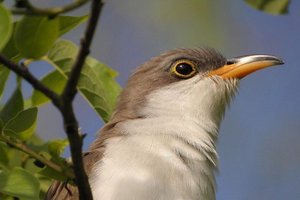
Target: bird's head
193	83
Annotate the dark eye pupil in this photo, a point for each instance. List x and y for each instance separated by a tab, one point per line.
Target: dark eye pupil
184	69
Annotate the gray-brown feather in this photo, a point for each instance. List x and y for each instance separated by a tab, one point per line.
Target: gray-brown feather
152	75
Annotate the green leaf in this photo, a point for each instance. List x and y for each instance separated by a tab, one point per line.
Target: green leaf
274	7
35	35
97	102
4	157
15	157
45	183
6	197
4	73
97	81
67	23
37	144
14	105
5	26
56	147
53	80
106	76
23	125
19	183
10	50
49	172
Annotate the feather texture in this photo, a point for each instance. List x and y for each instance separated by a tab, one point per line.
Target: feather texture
160	142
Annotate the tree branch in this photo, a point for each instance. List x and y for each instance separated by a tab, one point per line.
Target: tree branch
67	97
28	9
70	89
36	84
24	148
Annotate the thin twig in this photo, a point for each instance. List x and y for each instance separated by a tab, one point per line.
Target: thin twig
70	89
31	10
67	97
24	148
36	84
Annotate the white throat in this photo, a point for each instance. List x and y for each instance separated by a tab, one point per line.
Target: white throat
170	152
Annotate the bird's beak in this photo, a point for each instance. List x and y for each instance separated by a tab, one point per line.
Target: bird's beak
242	66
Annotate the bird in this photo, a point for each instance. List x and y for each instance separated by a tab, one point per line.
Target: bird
160	142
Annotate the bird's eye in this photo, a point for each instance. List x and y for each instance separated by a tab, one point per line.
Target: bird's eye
184	69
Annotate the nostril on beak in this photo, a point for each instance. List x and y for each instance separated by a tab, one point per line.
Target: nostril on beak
230	62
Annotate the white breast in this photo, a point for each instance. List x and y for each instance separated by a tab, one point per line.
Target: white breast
154	173
170	153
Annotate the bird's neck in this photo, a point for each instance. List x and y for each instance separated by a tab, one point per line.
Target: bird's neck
190	131
172	141
193	114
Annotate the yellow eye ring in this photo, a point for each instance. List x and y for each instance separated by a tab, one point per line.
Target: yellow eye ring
184	69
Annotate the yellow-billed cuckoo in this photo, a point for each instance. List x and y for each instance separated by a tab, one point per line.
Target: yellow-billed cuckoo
160	142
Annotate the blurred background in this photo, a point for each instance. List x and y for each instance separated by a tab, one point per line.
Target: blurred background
259	143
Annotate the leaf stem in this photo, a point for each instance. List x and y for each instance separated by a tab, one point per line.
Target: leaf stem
24	148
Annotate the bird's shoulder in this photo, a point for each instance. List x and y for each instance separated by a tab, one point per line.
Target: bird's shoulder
62	190
65	191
